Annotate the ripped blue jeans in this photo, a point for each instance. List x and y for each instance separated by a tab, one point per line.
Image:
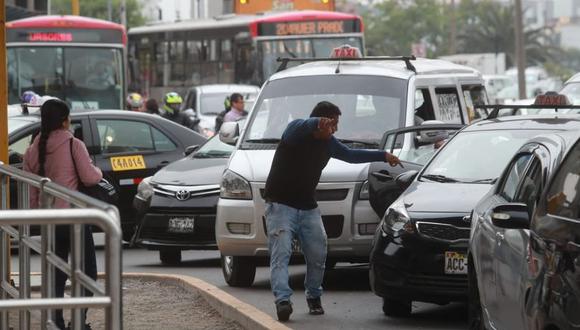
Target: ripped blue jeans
284	224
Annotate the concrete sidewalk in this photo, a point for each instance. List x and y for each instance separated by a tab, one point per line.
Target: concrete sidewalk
225	304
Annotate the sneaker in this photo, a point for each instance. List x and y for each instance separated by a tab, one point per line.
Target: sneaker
283	309
315	306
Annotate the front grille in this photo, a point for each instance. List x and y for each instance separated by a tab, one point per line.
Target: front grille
325	195
443	231
332	225
155	228
437	281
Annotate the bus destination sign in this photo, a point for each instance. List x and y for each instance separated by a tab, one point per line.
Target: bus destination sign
308	28
64	35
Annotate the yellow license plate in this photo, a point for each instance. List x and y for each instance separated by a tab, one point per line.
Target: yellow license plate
127	163
455	263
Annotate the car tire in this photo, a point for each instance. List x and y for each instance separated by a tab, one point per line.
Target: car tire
238	271
475	313
330	264
396	308
170	256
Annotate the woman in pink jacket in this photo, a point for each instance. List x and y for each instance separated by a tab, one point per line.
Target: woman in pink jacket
51	155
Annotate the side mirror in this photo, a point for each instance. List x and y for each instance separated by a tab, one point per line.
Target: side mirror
229	133
511	216
404	179
189	150
15	158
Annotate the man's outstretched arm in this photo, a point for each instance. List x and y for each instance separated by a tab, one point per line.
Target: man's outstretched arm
344	153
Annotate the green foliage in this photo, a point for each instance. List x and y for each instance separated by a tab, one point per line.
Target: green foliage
483	26
98	9
393	26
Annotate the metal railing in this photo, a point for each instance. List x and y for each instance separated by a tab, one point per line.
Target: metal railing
15	226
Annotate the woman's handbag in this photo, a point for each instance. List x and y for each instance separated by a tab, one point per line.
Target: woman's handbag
105	190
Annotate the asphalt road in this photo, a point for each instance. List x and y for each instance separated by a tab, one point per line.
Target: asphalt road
347	299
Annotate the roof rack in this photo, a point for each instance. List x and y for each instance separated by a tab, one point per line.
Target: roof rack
407	59
496	108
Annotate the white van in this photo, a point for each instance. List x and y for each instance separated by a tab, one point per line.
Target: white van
374	96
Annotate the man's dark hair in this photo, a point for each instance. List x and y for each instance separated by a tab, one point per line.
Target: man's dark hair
235	97
325	109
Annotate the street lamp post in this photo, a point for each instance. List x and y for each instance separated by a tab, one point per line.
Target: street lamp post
520	49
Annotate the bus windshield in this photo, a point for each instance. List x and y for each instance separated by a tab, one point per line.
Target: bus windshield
86	78
271	49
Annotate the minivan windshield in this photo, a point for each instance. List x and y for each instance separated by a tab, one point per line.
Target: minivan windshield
467	157
370	106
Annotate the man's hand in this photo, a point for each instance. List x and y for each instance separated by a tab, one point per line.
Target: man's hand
327	124
392	160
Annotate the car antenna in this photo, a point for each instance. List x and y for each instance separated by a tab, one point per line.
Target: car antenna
337	67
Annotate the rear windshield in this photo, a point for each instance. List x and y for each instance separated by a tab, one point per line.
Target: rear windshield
370	106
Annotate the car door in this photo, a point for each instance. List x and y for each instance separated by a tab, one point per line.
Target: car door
555	243
509	243
414	146
130	149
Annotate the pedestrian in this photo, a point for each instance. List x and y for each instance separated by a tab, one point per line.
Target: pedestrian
171	110
51	155
237	111
291	209
219	119
151	106
135	102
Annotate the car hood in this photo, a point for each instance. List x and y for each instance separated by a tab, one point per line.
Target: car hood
443	197
254	166
192	171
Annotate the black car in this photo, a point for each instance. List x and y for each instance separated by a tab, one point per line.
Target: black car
177	206
419	251
126	145
509	260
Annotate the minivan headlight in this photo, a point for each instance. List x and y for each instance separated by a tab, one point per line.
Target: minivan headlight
145	189
396	218
234	186
364	190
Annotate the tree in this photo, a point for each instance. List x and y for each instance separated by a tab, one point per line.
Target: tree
393	26
488	27
98	9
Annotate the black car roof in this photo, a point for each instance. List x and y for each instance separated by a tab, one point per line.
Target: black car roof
529	122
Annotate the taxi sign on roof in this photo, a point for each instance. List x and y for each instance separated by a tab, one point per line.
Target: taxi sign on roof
345	51
552	98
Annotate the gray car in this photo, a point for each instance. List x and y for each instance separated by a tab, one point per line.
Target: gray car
501	267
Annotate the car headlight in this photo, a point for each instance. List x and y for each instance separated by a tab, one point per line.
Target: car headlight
364	190
234	186
145	189
397	218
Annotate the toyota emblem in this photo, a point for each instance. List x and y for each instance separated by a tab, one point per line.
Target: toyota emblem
182	195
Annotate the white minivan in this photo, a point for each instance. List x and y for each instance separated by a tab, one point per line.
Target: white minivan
375	96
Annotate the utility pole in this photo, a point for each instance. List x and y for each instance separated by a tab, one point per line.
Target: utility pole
3	90
76	8
520	49
110	10
124	13
453	29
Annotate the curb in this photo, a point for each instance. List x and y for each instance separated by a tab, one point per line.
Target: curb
230	307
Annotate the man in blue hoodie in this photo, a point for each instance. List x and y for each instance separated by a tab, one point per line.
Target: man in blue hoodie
291	209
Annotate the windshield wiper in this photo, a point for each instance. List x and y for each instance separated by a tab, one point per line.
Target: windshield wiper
439	178
490	181
366	143
264	140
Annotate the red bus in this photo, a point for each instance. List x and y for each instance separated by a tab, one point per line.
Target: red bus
232	48
77	59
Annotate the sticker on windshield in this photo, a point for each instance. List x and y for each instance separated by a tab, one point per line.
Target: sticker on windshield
127	163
